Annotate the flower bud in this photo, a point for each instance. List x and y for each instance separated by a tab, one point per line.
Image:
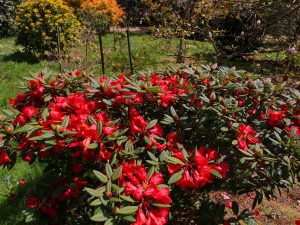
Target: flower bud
108	194
116	211
258	153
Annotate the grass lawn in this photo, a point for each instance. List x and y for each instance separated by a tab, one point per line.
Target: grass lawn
147	52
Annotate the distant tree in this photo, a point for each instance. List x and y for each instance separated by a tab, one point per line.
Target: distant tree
175	18
135	11
8	9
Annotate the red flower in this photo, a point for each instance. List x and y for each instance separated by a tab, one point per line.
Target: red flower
156	216
241	103
297	222
225	222
137	122
197	171
134	178
49	211
21	181
30	111
80	183
77	167
256	213
4	159
229	204
246	135
32	202
275	117
13	196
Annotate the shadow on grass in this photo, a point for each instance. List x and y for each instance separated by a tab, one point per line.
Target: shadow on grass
20	57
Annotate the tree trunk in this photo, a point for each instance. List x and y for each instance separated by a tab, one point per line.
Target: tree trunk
181	51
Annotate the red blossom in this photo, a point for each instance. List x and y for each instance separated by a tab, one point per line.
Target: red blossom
32	202
275	117
4	159
134	178
30	111
246	135
51	212
21	181
197	171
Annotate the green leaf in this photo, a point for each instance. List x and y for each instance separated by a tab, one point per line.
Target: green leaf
147	140
129	218
96	202
205	99
234	142
94	82
103	178
42	137
45	113
25	128
128	210
129	147
99	218
99	128
163	155
216	173
152	156
185	154
150	172
65	122
152	162
173	112
93	192
161	205
91	120
110	221
176	177
108	185
108	170
224	129
117	173
173	160
93	146
151	124
127	198
277	136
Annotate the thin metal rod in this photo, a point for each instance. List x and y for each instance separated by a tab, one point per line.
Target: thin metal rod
128	38
101	50
129	50
58	49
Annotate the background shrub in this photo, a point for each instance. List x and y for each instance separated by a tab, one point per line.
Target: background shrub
7	17
40	21
107	7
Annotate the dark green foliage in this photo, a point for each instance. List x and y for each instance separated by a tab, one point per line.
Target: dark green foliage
8	10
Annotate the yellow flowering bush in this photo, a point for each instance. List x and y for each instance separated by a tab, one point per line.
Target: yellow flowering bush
41	24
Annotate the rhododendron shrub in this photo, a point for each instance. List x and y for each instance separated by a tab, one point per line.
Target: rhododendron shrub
147	148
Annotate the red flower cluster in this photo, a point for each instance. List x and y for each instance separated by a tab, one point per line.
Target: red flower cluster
4	159
246	135
197	169
147	192
275	117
